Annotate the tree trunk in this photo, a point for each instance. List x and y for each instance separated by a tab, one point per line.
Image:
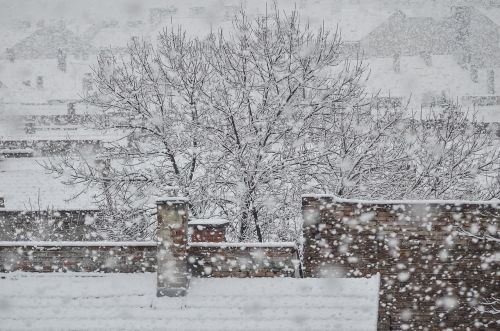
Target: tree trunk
257	226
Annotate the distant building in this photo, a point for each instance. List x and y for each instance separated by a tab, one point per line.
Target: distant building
423	59
46	42
158	15
470	36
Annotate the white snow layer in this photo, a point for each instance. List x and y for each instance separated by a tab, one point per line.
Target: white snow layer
208	221
27	186
493	202
78	243
86	301
277	244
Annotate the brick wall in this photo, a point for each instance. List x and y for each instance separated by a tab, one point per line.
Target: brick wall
56	225
88	257
202	261
199	233
182	254
252	260
436	261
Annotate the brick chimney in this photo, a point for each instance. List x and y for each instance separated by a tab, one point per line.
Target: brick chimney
39	82
427	58
474	75
396	62
71	109
61	60
491	81
11	56
172	274
87	83
207	230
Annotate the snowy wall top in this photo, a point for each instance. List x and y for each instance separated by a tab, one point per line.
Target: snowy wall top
171	199
208	221
494	202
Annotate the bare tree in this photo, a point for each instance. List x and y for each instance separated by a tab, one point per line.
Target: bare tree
274	78
245	121
361	148
453	156
149	105
229	119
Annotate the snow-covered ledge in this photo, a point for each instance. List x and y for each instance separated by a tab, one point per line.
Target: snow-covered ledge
208	221
278	244
335	198
168	199
78	243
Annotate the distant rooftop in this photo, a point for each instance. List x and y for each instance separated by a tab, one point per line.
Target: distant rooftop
27	186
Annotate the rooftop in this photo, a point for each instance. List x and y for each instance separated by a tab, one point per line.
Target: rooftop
128	301
26	186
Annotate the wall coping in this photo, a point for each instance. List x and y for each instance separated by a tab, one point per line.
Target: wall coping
335	198
79	243
280	244
208	221
27	211
171	199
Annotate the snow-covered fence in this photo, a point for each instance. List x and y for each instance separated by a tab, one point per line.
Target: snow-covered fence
438	260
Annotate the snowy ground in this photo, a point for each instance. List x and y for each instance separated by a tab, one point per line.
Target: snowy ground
83	301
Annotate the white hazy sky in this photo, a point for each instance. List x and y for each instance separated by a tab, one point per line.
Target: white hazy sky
355	17
92	10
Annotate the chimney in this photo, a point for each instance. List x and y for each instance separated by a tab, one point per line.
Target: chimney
491	81
474	76
87	83
71	109
207	230
157	15
61	60
11	56
427	57
39	82
396	62
172	274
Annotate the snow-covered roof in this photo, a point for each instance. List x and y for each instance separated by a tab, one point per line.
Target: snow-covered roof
415	77
26	185
127	302
19	79
119	36
416	80
45	42
409	35
44	109
62	133
10	35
